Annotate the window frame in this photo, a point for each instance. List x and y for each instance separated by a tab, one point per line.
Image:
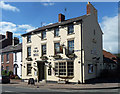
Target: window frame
42	35
62	70
2	58
29	39
7	57
15	56
29	68
71	47
7	68
69	29
90	68
55	30
55	49
43	50
28	51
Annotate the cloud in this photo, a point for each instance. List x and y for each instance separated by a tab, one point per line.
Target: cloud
16	29
8	7
7	26
48	4
109	27
26	27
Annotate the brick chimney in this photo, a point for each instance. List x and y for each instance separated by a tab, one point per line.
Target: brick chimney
91	10
9	36
61	17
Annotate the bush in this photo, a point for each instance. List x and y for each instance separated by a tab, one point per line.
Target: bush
4	72
10	73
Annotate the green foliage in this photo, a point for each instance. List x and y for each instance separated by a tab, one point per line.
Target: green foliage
10	73
4	72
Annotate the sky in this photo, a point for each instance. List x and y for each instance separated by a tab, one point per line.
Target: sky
22	17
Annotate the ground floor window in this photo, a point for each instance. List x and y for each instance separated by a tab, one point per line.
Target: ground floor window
7	68
64	69
90	68
28	69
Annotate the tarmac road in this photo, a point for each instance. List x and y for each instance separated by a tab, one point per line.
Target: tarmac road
13	89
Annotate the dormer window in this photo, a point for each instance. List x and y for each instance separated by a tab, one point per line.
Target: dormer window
43	34
56	32
71	29
29	38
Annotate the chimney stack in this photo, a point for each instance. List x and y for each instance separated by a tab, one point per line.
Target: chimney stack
91	10
15	41
61	17
9	36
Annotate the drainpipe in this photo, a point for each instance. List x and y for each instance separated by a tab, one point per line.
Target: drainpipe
81	54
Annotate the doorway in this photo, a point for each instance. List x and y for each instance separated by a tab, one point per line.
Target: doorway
41	71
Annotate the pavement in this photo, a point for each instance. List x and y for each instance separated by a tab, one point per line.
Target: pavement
67	86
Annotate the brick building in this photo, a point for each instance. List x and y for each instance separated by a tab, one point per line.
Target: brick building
10	50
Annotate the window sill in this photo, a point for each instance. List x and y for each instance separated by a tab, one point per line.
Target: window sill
64	76
56	36
7	62
90	73
29	42
43	39
29	74
71	33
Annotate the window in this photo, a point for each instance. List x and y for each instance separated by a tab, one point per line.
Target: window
64	69
7	57
28	69
70	47
2	58
28	51
70	68
70	29
43	34
7	68
15	57
43	49
58	49
29	38
2	68
90	68
56	32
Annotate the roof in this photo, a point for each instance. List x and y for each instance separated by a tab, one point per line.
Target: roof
110	56
11	48
57	24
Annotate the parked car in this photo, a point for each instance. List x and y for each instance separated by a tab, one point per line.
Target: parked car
4	79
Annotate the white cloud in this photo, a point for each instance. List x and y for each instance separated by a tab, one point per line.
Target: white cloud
109	27
48	4
7	26
16	29
8	7
26	27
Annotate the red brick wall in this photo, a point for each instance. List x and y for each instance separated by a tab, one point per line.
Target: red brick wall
10	64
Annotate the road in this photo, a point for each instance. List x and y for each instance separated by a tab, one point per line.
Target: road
7	89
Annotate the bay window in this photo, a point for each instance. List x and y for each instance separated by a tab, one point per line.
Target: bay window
64	69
